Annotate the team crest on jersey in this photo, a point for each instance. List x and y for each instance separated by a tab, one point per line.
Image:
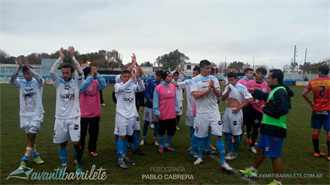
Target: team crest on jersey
90	88
235	122
67	87
76	127
169	91
264	89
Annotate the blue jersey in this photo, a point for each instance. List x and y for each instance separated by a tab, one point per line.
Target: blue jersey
149	91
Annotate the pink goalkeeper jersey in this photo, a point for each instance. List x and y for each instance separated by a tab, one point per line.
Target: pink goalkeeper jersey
166	101
260	86
90	104
243	82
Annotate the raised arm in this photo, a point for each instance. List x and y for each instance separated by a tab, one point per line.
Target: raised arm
39	79
184	75
53	70
138	68
226	93
140	88
14	80
101	81
76	64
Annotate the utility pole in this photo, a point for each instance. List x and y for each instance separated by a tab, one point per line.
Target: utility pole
225	65
305	55
294	57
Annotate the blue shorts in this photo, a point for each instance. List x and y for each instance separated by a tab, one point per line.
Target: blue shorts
271	144
320	118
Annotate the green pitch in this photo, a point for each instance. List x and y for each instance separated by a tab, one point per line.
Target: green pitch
297	153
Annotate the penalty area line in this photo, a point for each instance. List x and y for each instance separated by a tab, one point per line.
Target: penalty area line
236	172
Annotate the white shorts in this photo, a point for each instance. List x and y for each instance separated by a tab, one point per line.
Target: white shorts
124	126
136	125
149	115
63	127
202	122
190	118
180	108
31	124
232	122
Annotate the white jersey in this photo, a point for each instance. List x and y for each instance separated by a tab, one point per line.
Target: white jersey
179	95
30	94
242	93
190	98
207	103
125	94
67	93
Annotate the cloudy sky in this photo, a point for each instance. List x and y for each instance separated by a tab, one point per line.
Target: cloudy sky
213	30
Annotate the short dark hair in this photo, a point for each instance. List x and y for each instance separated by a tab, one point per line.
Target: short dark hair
323	69
196	68
277	73
87	70
262	70
164	74
24	68
176	73
204	63
126	72
159	73
247	70
68	66
232	75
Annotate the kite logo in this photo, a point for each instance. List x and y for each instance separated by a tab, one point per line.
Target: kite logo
21	173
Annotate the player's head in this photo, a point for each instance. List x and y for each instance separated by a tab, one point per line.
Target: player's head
232	78
248	72
67	72
176	76
212	72
167	77
205	66
26	73
260	74
323	70
196	71
125	75
275	77
87	72
159	75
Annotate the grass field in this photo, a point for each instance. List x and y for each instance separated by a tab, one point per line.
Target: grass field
297	153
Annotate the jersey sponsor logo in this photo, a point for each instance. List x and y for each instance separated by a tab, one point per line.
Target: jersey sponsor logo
129	100
67	96
205	87
169	91
67	87
90	88
205	80
168	98
76	127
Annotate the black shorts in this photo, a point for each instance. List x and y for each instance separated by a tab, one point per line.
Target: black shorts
247	114
167	125
251	116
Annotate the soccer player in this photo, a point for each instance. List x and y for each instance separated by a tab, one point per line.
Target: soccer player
248	75
233	116
67	116
273	129
90	106
205	89
321	107
179	95
31	108
255	116
190	108
165	107
149	115
125	113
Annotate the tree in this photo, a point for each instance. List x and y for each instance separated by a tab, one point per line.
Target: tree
147	64
236	65
5	58
171	60
313	67
213	64
304	66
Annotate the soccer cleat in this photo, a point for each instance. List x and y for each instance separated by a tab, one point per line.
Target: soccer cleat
189	149
22	165
229	154
130	145
38	160
128	160
212	147
198	161
248	172
274	183
94	154
78	169
152	126
319	154
177	128
253	149
155	143
143	142
231	157
161	150
138	152
226	167
122	165
209	152
195	154
169	148
249	141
